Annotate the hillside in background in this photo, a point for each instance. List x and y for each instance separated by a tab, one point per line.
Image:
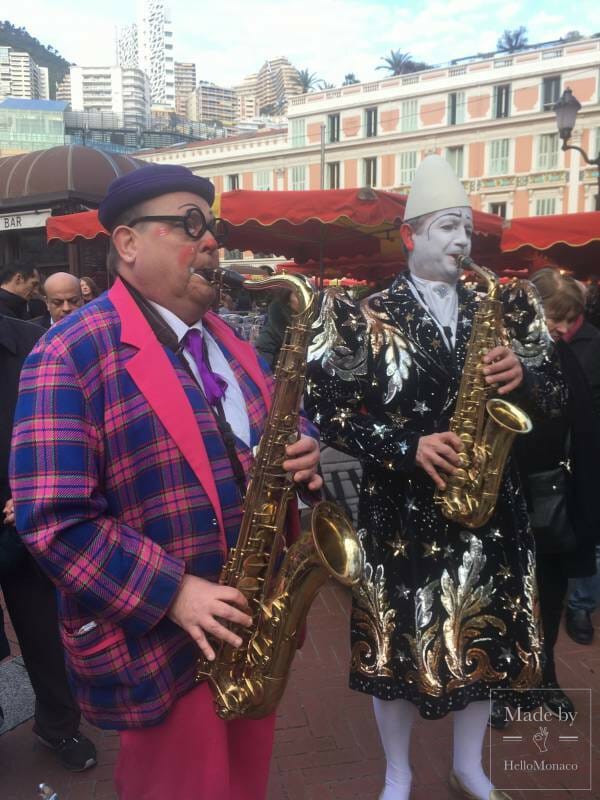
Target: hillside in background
44	55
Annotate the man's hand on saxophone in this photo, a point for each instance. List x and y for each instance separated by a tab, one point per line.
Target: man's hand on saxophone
503	369
200	604
437	453
302	461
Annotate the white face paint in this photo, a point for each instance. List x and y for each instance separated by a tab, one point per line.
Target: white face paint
444	236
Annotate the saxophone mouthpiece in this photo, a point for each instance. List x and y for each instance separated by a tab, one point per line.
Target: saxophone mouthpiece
464	262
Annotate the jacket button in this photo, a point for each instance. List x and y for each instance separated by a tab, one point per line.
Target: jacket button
214	522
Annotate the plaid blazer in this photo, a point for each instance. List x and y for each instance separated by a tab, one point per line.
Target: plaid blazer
122	483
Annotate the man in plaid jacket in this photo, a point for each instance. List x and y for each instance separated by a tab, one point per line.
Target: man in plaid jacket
127	462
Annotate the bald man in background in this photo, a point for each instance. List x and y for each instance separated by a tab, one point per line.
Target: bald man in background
63	295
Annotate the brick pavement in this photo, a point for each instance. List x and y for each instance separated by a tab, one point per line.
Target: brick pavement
327	747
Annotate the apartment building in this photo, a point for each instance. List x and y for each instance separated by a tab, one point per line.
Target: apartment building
112	90
20	76
491	117
268	91
185	83
212	103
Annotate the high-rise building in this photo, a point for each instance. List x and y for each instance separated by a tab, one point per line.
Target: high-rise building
4	71
148	45
269	89
211	103
112	90
155	51
127	46
63	89
20	76
185	83
246	100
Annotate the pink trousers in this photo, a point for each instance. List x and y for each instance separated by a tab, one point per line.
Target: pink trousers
194	755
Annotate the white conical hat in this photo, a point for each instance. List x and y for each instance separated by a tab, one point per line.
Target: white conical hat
434	188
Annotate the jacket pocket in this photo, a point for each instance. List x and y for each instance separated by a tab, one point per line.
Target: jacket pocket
97	653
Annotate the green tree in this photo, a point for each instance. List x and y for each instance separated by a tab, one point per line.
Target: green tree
349	79
326	85
511	41
399	63
307	80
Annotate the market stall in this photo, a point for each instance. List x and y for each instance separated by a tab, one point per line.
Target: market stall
570	241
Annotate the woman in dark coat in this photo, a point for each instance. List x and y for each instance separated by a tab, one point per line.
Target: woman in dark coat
574	439
270	338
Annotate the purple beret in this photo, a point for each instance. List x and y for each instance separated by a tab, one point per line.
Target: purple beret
148	182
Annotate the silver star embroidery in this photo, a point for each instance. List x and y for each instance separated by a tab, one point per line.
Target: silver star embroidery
402	592
379	430
411	506
494	534
318	418
403	447
421	407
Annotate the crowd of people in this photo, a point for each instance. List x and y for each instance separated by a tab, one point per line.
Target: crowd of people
128	430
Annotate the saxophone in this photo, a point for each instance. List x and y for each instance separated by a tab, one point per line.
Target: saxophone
486	427
279	583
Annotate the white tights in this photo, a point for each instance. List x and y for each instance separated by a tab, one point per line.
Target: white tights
395	719
469	731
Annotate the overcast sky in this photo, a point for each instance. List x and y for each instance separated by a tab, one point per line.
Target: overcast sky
228	39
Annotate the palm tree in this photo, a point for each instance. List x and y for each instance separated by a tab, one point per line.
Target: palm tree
511	41
399	63
326	85
308	80
349	79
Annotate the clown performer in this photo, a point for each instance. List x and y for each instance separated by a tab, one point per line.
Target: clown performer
444	614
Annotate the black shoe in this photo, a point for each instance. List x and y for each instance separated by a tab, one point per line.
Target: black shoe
497	718
579	625
557	702
76	753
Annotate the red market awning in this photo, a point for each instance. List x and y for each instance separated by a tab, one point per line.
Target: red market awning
358	224
330	223
68	227
569	240
541	233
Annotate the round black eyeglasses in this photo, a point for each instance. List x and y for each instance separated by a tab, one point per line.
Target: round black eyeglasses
193	223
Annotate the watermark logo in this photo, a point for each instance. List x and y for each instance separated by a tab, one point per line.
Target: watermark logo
540	739
544	748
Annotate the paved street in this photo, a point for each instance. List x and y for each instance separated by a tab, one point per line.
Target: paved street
327	746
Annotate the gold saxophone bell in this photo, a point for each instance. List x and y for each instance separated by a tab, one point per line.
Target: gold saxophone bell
486	426
279	582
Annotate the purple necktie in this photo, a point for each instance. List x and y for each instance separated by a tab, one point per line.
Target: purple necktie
214	385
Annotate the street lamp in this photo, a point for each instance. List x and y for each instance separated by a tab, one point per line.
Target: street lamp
566	111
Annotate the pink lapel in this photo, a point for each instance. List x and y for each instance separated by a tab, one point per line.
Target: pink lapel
155	377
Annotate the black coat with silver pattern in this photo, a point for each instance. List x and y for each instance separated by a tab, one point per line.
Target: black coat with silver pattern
443	614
